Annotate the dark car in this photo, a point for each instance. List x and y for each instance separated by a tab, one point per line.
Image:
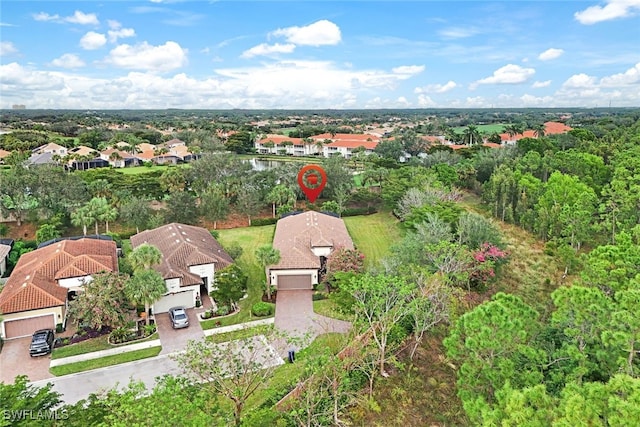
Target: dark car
41	342
179	318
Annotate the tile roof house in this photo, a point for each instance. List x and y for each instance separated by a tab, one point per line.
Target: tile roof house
35	296
304	241
3	155
119	158
190	258
4	255
345	143
281	144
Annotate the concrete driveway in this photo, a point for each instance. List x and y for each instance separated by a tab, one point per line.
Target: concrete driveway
296	318
15	360
79	386
173	340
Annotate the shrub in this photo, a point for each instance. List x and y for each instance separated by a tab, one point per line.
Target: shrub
120	335
207	314
263	221
59	328
317	296
149	329
262	309
223	310
359	211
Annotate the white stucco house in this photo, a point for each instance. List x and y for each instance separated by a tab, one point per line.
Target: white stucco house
190	258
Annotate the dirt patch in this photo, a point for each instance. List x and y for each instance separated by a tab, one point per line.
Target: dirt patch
26	231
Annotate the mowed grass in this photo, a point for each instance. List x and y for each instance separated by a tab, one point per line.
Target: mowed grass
102	362
374	234
489	129
249	238
142	169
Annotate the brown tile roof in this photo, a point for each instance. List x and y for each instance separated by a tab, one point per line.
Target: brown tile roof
33	282
279	139
552	128
4	153
183	246
297	234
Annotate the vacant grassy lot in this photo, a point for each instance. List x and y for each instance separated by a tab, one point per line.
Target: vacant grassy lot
142	169
249	238
374	234
102	362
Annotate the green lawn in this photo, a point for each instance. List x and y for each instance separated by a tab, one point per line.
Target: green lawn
249	238
91	345
142	169
102	362
489	129
327	307
374	234
238	335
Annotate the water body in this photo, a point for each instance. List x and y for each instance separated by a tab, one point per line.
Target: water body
258	164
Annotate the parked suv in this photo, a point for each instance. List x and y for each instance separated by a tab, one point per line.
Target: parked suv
179	318
41	342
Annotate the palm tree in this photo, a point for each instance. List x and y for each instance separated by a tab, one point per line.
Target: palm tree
82	217
145	287
144	257
267	255
538	130
471	135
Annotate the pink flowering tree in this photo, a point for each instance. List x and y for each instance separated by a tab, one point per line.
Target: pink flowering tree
343	260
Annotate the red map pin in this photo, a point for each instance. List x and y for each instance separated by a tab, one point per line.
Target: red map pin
312	179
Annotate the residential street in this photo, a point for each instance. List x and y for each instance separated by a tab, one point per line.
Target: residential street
79	386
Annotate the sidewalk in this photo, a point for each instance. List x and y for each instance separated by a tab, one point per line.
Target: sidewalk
154	343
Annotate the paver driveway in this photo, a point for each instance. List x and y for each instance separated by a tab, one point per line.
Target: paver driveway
173	340
15	360
295	317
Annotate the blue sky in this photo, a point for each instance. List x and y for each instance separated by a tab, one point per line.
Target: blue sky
302	54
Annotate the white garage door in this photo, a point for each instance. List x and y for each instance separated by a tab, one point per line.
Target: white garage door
26	327
296	281
184	299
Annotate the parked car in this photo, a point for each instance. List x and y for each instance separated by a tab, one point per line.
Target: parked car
41	342
179	318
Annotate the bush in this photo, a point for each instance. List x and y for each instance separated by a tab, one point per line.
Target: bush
359	211
318	296
262	309
59	328
120	335
223	310
263	221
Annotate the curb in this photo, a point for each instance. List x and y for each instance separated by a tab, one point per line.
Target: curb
104	353
239	326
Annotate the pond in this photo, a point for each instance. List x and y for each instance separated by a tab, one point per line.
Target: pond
258	164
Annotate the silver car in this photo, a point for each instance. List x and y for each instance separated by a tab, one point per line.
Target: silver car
179	318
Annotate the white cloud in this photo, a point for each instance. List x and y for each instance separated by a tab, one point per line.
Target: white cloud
409	70
78	17
319	33
436	88
550	54
613	9
459	32
82	18
68	60
629	77
580	81
117	32
93	40
144	56
44	17
509	74
7	48
425	101
537	85
265	49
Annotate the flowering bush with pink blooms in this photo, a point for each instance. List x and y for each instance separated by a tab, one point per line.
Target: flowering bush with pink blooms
486	260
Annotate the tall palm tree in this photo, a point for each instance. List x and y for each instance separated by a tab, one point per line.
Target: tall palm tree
471	135
82	217
267	255
144	257
145	287
538	130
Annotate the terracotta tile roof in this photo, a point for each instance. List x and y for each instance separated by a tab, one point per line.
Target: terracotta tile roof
4	153
123	154
33	282
363	137
183	246
297	234
83	150
552	128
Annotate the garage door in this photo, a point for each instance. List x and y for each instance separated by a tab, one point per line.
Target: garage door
184	299
297	281
26	327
